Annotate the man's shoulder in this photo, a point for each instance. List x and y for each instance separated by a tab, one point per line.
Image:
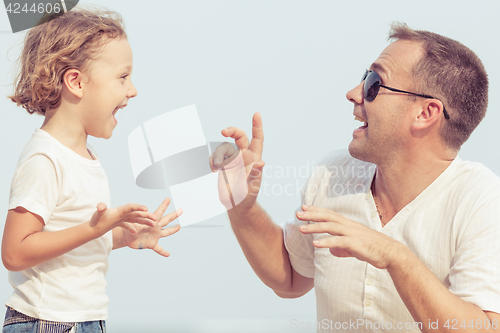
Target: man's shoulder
477	179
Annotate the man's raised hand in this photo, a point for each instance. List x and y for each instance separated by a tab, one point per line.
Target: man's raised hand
241	168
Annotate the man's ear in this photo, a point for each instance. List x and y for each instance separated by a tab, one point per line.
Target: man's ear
72	80
430	113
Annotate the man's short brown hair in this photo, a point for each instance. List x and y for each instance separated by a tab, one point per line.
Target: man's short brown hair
453	73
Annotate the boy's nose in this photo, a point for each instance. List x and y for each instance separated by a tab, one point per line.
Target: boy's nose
132	92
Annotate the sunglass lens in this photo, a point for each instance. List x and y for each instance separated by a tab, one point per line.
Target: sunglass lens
371	86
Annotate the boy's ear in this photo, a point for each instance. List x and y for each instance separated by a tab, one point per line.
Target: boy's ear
72	80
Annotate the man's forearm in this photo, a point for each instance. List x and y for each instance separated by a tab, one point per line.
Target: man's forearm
431	303
262	243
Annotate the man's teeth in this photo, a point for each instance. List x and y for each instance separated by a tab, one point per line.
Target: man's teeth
361	119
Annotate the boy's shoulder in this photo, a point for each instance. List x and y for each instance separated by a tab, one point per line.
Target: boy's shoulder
41	143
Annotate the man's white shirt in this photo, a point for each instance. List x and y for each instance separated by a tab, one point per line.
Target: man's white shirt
453	227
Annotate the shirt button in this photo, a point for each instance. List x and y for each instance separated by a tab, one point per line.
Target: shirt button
368	303
368	282
374	214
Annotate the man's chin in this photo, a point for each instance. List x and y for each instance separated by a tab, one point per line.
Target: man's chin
353	150
358	152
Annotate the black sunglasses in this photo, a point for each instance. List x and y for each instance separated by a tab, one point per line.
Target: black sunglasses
372	85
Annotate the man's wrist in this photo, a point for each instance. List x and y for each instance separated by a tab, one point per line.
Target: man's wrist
251	218
243	212
400	258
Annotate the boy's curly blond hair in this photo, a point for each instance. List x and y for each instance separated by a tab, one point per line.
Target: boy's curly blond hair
69	41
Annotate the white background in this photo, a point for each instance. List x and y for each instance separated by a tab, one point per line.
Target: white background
293	61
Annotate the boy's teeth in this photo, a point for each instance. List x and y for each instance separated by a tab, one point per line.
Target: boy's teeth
359	119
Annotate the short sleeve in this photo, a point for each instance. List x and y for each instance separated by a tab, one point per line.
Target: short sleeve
300	248
475	271
35	187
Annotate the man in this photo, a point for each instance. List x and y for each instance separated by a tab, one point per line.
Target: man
411	244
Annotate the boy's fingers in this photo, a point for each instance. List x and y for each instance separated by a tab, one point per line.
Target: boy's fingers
101	207
131	209
170	231
142	220
162	208
140	215
161	251
170	217
129	227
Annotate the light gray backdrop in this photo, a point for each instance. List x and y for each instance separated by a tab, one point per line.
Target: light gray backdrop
293	61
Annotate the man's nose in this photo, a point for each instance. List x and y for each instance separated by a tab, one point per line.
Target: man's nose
355	95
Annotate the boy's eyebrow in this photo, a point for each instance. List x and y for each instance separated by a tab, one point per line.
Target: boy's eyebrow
126	68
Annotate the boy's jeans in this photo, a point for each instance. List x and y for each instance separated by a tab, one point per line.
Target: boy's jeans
17	322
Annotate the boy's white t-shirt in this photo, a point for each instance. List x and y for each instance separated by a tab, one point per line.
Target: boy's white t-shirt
63	188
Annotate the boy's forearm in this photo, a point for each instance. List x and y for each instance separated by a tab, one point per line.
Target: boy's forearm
42	246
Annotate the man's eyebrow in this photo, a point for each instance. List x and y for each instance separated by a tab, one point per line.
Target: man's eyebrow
381	71
376	67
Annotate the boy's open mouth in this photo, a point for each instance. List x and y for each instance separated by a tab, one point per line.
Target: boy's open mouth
118	108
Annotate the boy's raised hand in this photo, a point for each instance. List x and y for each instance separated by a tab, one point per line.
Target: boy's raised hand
146	237
105	219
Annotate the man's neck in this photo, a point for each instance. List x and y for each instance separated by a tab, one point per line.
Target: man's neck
398	184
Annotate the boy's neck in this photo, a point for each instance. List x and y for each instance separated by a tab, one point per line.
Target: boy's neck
67	130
